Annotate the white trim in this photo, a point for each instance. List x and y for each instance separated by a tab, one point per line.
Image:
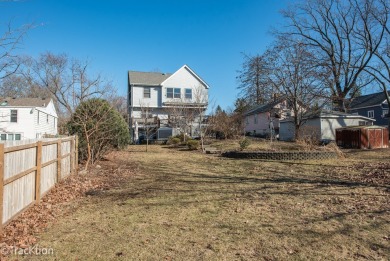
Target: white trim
371	112
192	72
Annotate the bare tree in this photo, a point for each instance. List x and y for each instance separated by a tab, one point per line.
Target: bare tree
343	36
148	123
187	114
294	74
10	40
67	80
253	85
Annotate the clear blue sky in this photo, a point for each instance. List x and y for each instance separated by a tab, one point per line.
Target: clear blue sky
117	36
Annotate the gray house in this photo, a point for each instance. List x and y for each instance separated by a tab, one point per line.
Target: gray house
373	106
322	125
155	99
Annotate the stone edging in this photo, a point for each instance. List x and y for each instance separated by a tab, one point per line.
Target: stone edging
281	155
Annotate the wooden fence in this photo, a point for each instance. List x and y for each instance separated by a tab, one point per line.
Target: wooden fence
29	169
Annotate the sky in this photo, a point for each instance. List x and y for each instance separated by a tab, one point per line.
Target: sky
152	35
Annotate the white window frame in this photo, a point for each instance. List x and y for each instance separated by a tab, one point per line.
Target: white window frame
14	115
255	119
384	112
177	93
370	114
188	95
147	93
170	93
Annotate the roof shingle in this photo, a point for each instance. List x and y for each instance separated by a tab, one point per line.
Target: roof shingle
368	100
32	102
147	78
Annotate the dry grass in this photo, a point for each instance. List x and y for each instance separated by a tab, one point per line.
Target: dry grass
185	205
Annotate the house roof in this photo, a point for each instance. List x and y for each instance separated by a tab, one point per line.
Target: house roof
264	107
147	78
331	114
368	100
24	102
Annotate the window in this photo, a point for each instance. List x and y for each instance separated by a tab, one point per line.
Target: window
255	121
17	136
169	92
188	94
146	92
384	113
370	114
173	93
3	136
176	93
14	116
10	137
47	118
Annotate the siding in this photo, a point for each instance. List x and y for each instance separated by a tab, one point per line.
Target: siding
23	126
378	111
44	126
154	100
184	79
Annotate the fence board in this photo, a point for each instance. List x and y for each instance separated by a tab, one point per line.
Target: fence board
49	152
19	161
65	167
30	169
48	177
18	195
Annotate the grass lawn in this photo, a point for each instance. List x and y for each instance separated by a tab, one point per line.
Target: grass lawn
183	205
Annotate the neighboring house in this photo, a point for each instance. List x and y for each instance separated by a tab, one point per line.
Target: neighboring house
372	106
27	118
265	118
159	94
321	125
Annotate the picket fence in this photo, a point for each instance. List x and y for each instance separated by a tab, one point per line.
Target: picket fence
29	169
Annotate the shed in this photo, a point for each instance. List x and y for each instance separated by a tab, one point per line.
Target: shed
321	124
363	137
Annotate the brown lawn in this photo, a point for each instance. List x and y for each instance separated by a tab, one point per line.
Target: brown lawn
184	205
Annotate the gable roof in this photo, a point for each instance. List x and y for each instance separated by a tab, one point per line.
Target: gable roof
368	100
147	78
24	102
264	107
185	66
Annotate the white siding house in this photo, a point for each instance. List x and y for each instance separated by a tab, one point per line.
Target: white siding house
322	125
27	118
160	93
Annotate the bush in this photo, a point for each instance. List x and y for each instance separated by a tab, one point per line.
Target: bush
174	141
99	127
183	137
244	143
193	144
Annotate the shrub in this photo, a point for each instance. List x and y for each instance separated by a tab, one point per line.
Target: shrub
244	143
174	141
183	137
193	144
99	127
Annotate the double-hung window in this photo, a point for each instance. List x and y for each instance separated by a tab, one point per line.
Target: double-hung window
176	93
14	116
146	92
188	94
385	112
173	93
170	93
370	114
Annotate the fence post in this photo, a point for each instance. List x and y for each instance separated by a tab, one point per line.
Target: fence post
59	161
38	172
1	184
76	161
72	156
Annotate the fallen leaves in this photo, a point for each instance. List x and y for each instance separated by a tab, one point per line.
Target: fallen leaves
22	232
